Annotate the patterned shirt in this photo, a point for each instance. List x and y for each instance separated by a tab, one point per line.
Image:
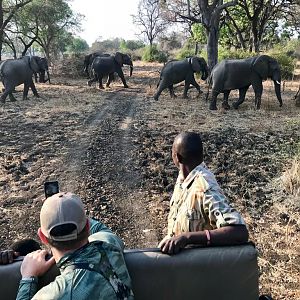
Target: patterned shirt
198	203
83	276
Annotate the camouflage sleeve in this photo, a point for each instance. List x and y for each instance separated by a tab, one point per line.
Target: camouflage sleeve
219	212
27	289
96	226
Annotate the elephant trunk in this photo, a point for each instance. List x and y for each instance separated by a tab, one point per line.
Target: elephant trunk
204	74
131	69
278	91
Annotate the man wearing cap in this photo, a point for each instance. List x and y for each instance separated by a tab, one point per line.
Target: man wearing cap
88	254
199	211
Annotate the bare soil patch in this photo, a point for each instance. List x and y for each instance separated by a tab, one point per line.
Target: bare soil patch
113	147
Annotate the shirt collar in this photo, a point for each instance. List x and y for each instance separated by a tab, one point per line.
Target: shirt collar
187	181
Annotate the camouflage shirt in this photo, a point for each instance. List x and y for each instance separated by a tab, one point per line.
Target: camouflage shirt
198	203
95	271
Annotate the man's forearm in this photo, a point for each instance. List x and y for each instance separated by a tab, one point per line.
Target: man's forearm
228	235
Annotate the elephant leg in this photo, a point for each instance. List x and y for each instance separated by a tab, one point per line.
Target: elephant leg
242	95
33	88
121	75
109	79
89	83
101	87
258	89
171	90
161	87
225	104
186	88
25	91
8	92
197	86
213	101
12	97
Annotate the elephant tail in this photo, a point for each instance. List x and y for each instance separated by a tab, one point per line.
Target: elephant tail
209	85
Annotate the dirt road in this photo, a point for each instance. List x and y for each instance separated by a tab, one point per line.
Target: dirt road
113	148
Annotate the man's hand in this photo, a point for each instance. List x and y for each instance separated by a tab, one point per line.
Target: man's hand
174	244
35	263
7	256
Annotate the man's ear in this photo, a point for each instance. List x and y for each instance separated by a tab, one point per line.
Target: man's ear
180	158
42	237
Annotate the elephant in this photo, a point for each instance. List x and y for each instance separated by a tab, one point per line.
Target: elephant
107	66
43	64
176	71
240	74
88	60
14	72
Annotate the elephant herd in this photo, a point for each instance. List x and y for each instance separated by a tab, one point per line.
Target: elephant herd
229	74
225	76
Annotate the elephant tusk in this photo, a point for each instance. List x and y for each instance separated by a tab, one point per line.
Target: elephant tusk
277	82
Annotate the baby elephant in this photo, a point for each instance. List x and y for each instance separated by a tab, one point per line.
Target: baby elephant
176	71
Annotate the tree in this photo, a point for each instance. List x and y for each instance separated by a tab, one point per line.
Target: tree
8	9
131	45
149	20
45	22
207	13
253	23
77	45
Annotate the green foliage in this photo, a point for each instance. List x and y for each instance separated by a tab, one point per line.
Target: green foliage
77	45
187	50
106	46
233	54
131	45
151	54
287	62
199	33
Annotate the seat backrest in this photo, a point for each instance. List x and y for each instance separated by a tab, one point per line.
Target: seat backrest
213	273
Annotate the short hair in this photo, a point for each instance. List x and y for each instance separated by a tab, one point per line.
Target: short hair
65	229
189	146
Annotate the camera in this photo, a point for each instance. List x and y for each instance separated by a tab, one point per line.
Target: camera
51	188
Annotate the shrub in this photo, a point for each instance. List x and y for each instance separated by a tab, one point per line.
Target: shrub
233	54
286	62
151	54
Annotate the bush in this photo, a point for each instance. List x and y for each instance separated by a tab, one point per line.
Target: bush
287	63
187	50
151	54
233	54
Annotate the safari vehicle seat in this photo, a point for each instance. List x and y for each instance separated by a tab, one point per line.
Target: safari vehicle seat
214	273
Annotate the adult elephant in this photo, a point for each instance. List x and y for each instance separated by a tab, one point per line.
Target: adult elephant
176	71
88	61
107	66
43	69
14	72
240	74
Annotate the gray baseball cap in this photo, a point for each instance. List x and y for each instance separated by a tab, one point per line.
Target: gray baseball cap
62	208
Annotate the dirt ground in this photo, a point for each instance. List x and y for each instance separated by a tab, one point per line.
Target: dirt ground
113	147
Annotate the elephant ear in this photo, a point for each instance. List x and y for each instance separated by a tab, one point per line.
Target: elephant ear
34	64
261	66
119	58
195	64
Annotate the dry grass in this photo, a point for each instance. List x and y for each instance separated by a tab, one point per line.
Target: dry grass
291	178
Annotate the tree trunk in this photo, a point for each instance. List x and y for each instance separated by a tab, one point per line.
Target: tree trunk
297	97
212	48
1	43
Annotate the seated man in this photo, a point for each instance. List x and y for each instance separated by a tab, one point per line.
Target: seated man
91	267
199	211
